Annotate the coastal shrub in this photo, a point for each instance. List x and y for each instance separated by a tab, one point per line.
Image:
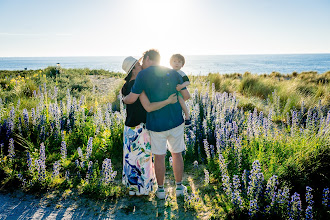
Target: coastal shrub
215	79
252	86
307	90
5	84
28	88
275	74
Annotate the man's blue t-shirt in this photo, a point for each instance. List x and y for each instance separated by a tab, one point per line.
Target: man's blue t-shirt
159	83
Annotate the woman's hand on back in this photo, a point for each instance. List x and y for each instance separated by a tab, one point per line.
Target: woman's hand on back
172	98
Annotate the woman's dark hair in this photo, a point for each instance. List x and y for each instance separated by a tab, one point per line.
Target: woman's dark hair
129	76
127	79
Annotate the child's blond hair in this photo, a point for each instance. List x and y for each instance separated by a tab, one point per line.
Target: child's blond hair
179	57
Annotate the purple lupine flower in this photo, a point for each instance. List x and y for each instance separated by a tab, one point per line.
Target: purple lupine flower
207	149
294	122
244	179
271	188
89	171
42	152
205	128
42	132
67	175
21	178
63	150
170	160
256	179
26	117
89	148
226	185
108	119
309	213
77	163
249	126
80	152
18	104
326	197
309	196
56	169
19	125
33	116
283	195
222	165
107	171
40	163
207	177
55	92
11	149
253	209
236	197
212	150
295	207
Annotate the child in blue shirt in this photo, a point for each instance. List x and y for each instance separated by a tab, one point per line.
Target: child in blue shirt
177	61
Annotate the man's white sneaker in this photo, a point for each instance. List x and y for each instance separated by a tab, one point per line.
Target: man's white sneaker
160	193
180	190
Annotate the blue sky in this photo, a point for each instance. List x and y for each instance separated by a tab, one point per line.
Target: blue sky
191	27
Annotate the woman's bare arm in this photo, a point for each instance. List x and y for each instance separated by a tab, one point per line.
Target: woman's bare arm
153	106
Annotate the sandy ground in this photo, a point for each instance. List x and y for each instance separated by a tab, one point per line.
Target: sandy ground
19	205
69	205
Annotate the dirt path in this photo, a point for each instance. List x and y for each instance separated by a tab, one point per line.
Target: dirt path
55	205
22	206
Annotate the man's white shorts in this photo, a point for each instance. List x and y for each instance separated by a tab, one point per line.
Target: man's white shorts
174	138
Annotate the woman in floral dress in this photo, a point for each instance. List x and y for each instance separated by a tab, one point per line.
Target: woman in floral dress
138	169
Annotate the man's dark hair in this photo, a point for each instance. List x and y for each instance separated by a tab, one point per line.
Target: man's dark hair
153	55
179	57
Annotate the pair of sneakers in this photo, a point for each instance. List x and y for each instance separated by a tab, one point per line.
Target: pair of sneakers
180	190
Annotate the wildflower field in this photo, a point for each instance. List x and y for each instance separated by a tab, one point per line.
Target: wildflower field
258	146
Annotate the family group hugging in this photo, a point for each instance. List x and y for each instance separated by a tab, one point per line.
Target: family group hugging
155	98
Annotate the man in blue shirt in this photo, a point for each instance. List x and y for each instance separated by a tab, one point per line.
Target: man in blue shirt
166	124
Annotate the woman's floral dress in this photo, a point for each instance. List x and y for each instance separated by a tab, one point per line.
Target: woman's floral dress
138	169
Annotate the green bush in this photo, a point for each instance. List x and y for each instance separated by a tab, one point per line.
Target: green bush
253	86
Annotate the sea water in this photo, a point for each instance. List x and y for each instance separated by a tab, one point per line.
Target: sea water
197	65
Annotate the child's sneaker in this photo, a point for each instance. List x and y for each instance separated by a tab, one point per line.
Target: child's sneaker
187	122
180	190
160	193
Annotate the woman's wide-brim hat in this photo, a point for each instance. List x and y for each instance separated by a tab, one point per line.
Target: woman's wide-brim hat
128	64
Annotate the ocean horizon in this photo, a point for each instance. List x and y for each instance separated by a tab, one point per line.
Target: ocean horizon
195	64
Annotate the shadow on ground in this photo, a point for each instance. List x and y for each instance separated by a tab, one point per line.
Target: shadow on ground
19	205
